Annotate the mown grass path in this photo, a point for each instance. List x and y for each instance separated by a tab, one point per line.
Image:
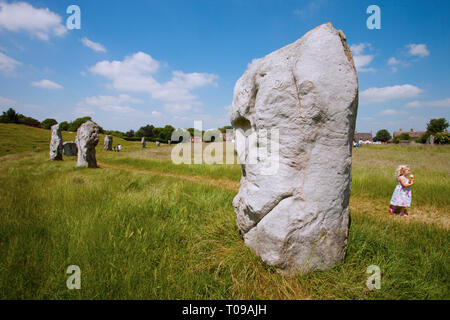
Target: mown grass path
226	184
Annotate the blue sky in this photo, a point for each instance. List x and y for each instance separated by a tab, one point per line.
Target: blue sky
172	62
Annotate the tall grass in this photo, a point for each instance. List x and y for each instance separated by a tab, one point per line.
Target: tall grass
144	236
140	236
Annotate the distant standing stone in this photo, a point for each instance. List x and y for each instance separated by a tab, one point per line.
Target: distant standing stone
430	139
86	140
108	143
70	149
158	144
56	144
169	142
143	142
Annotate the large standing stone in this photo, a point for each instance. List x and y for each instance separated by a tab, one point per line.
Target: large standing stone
108	143
86	140
297	220
70	149
56	143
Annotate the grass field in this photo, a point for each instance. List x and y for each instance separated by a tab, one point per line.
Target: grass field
140	227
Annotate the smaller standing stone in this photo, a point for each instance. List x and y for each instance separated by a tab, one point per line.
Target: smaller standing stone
56	144
143	142
70	149
86	140
108	143
158	143
430	139
169	142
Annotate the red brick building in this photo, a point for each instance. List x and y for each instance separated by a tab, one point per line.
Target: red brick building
412	133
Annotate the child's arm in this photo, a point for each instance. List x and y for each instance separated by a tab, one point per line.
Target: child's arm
404	184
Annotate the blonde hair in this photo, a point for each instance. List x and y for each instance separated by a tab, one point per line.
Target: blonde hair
400	170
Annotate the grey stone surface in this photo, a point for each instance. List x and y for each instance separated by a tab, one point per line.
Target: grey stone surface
86	140
297	220
70	149
108	143
143	143
430	139
56	143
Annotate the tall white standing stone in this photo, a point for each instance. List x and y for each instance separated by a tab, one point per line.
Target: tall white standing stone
297	220
56	143
86	140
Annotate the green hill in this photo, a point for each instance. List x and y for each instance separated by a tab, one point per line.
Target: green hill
18	138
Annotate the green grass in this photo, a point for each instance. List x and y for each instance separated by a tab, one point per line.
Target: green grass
144	236
18	138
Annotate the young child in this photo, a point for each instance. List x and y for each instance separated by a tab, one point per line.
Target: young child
401	198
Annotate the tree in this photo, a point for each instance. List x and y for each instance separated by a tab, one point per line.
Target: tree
195	132
403	136
74	125
48	123
130	133
437	125
64	126
146	131
29	121
383	135
10	116
166	132
224	129
442	138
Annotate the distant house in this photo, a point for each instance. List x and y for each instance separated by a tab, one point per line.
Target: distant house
363	138
412	133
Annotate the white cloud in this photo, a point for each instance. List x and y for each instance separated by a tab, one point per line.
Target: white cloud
389	93
393	61
119	104
389	112
445	103
21	16
93	45
135	74
362	60
47	84
83	111
419	50
5	102
8	65
358	48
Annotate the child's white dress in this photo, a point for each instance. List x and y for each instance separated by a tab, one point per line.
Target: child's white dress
401	196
